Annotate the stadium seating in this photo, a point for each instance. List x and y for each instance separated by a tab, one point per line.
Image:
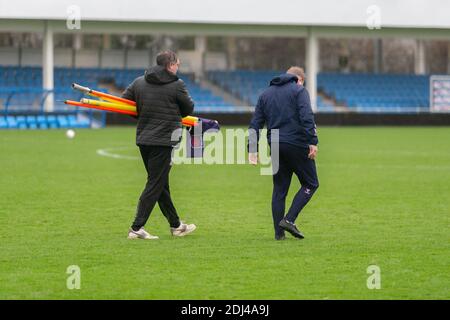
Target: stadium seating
245	85
377	92
248	85
21	87
62	121
358	92
22	97
204	99
21	93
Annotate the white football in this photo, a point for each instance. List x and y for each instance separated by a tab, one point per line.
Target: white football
70	134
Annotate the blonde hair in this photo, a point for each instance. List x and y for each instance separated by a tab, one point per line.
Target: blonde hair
299	72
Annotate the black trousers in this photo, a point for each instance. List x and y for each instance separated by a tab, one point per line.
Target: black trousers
157	161
292	160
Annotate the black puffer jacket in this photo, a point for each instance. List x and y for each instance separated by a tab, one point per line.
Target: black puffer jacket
161	100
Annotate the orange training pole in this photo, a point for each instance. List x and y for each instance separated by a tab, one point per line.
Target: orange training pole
90	106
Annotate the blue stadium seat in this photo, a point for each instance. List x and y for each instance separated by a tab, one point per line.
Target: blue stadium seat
63	122
21	120
3	123
41	119
31	121
12	122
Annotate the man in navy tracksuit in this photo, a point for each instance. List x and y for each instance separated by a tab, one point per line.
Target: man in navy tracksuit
285	105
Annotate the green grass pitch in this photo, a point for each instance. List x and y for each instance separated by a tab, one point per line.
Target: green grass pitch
384	200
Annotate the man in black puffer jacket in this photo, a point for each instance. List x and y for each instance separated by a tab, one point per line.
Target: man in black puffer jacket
162	100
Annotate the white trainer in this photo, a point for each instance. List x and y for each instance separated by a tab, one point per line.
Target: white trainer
141	234
183	229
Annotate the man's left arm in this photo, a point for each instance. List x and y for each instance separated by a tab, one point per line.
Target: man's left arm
308	123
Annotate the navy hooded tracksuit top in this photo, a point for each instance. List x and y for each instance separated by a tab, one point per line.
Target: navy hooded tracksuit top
285	106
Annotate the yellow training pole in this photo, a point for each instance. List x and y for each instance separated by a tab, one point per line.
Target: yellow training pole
108	104
191	119
110	100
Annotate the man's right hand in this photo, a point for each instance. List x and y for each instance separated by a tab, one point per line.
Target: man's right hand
313	152
253	158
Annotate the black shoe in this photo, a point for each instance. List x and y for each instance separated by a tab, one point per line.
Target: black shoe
291	228
280	237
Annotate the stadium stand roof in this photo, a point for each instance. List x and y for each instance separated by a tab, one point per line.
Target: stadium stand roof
397	14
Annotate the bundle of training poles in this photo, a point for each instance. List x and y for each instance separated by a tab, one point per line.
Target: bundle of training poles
109	102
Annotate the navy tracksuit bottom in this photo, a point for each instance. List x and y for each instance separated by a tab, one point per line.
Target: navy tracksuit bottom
292	159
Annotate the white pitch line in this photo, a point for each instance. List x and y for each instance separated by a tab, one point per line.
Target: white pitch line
109	152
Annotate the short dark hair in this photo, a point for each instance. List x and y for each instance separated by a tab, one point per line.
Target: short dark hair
166	58
299	72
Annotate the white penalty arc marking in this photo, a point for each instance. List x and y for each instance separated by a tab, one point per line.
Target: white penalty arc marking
112	153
